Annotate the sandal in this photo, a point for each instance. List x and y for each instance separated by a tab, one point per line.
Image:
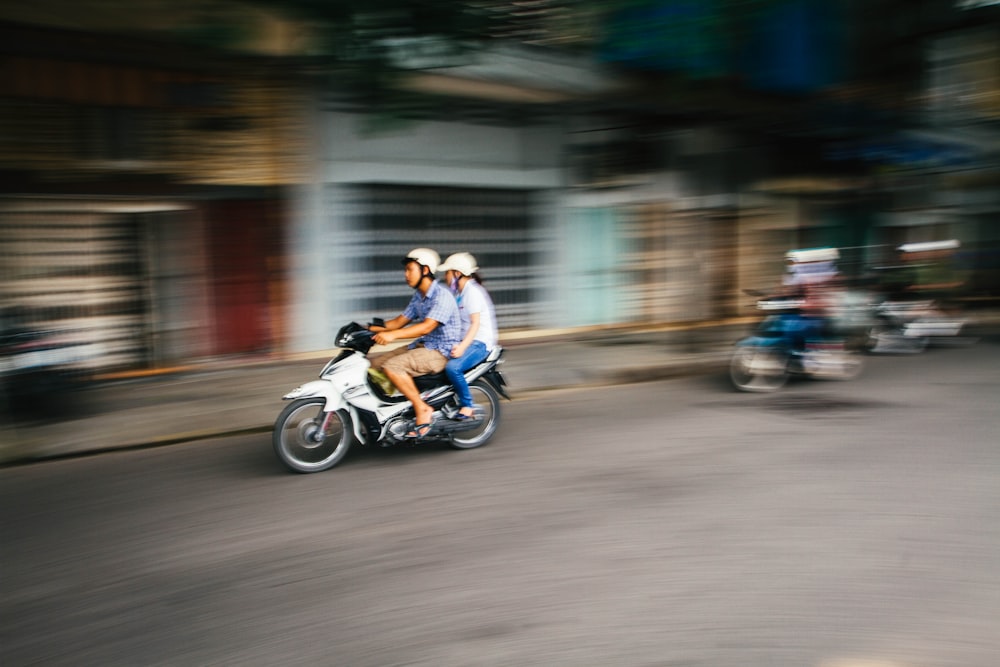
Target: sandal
477	413
419	431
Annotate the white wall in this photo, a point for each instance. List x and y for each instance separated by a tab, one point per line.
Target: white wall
439	153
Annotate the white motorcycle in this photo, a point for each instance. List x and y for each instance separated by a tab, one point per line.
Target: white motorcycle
910	326
346	405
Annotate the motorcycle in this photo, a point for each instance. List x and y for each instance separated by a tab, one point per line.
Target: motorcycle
910	326
791	344
910	317
325	417
37	366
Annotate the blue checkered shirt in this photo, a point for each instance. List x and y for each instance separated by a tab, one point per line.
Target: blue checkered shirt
439	305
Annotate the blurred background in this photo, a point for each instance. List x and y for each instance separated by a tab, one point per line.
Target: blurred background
185	180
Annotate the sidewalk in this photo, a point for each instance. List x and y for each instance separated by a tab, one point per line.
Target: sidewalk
244	395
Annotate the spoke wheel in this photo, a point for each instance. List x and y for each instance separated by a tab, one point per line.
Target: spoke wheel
300	441
488	401
758	370
851	366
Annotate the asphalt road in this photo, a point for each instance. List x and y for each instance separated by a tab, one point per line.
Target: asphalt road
673	523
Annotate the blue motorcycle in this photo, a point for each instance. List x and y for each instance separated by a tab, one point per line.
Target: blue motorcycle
788	344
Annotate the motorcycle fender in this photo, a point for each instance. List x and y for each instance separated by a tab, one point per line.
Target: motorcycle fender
334	400
496	378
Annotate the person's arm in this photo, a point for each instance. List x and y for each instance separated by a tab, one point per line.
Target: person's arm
419	329
397	322
408	315
470	335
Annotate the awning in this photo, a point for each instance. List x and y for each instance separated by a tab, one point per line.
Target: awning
911	149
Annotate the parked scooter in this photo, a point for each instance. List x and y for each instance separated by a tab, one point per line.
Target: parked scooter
908	318
909	327
37	366
325	417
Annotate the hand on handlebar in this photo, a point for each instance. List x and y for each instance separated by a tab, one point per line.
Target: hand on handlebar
384	337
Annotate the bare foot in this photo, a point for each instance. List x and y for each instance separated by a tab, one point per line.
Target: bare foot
423	414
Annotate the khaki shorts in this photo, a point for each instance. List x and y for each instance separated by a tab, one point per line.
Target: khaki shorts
418	361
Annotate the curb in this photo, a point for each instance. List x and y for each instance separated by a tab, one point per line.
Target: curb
509	338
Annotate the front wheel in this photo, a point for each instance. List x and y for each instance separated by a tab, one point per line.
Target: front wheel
308	439
488	401
758	369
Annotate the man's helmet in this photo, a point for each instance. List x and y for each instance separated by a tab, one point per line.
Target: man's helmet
423	257
462	262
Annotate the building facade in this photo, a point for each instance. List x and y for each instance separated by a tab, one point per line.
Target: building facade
142	205
165	204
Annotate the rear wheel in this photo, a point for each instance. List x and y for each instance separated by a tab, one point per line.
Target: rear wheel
758	369
308	439
851	365
488	402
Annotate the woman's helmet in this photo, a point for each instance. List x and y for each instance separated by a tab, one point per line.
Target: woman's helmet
423	257
462	262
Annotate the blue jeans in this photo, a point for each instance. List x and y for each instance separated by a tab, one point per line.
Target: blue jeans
455	369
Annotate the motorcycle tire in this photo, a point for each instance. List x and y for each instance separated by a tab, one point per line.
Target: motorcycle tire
488	401
851	366
298	442
758	370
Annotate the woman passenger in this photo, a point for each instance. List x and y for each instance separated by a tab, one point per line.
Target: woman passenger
478	320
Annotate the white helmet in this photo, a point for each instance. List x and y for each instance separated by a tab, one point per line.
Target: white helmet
423	257
462	262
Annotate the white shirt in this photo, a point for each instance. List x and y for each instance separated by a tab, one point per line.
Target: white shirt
809	273
474	299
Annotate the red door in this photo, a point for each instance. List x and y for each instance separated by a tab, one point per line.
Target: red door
244	244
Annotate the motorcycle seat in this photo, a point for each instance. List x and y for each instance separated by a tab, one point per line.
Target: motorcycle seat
424	382
430	380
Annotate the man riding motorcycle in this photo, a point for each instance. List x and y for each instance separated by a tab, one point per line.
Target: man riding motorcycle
437	327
